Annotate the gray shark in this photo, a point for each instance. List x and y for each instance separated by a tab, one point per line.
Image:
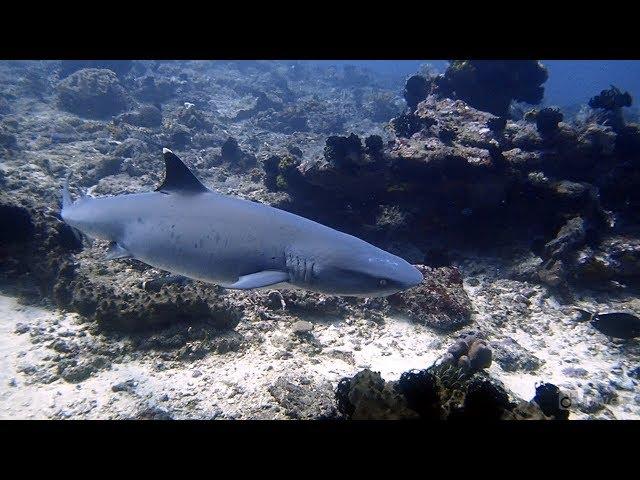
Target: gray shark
185	228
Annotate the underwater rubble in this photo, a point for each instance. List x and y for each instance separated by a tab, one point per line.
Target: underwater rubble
438	170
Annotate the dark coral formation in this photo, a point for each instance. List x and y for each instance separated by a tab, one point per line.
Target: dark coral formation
547	120
612	99
281	172
416	89
235	156
440	392
344	152
491	85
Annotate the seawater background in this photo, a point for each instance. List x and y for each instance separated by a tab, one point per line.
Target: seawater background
570	81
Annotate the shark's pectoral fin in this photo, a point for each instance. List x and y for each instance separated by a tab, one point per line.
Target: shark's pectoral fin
116	251
259	279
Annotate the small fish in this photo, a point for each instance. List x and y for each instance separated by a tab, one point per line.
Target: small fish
620	325
617	324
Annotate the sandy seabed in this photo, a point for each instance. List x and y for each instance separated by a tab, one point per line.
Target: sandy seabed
550	345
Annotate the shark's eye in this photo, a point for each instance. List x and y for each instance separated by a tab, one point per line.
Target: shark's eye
382	282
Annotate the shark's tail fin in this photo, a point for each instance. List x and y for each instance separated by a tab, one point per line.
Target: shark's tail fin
66	197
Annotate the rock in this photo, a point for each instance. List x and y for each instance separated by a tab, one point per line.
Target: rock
439	302
137	309
464	362
153	413
154	90
302	327
304	399
92	93
145	115
575	372
634	373
436	393
552	401
193	118
571	236
76	371
616	258
344	152
287	120
512	357
126	386
179	135
63	346
232	153
21	328
7	140
263	102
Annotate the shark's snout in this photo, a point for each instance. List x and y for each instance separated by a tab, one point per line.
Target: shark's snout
410	277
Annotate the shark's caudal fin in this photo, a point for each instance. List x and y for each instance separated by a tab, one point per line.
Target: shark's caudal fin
178	178
66	197
66	203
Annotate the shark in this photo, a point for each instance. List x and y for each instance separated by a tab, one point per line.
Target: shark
185	228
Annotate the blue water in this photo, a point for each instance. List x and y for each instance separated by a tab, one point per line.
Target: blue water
570	81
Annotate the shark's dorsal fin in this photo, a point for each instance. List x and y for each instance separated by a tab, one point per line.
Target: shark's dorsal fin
177	177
